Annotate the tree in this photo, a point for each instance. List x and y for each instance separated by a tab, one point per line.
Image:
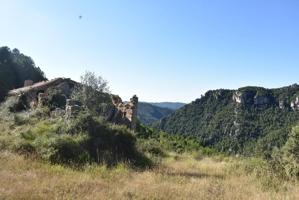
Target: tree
92	92
15	68
290	153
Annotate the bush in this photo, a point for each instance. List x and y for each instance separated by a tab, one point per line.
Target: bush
260	169
290	154
152	147
93	92
106	142
78	141
169	142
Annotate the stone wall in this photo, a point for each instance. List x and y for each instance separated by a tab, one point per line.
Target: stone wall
37	95
28	83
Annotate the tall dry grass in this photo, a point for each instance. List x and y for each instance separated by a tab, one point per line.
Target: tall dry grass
178	177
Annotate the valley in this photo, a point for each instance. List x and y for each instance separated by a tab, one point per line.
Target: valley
63	139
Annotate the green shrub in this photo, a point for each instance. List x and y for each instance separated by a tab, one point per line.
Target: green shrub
78	141
69	149
260	169
105	143
290	154
169	142
152	147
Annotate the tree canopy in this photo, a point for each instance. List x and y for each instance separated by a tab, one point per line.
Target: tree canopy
15	68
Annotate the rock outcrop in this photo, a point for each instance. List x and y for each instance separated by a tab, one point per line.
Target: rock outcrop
295	104
125	113
243	97
249	97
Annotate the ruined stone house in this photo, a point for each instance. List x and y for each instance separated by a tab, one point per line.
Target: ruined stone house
34	95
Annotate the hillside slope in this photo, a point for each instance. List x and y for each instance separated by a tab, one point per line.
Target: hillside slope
250	119
148	113
169	105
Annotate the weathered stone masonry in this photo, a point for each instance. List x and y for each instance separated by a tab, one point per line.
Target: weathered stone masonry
36	95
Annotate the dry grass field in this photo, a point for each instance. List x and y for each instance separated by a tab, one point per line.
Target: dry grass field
177	177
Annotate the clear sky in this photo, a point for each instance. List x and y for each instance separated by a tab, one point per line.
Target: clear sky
161	50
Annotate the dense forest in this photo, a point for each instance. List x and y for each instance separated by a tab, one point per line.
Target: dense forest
15	68
169	105
148	113
249	120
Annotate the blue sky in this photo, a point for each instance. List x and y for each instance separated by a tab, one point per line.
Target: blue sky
161	50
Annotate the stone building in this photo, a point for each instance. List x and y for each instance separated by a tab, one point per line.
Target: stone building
33	96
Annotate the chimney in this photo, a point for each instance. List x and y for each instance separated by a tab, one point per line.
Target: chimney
28	83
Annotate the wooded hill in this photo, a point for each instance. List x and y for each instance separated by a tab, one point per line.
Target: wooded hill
15	68
248	120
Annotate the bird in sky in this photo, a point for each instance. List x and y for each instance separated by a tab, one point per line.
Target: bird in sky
80	16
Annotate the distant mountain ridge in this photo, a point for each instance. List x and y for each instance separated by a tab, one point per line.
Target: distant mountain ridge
148	113
250	119
170	105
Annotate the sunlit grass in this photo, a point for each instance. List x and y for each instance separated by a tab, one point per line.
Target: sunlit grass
177	177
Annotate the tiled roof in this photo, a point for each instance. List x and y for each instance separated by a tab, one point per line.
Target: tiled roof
37	86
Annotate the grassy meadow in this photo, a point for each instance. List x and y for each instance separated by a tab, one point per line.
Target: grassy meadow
176	177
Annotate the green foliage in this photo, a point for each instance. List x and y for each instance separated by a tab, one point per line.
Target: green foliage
281	165
93	93
148	113
15	68
265	145
152	147
106	142
169	105
162	141
260	169
78	141
216	121
56	98
289	155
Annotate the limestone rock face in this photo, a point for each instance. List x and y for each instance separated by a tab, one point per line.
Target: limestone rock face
252	98
243	97
125	113
295	104
237	97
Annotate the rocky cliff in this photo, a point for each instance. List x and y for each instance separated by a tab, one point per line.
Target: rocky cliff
235	120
